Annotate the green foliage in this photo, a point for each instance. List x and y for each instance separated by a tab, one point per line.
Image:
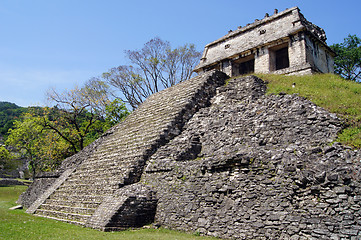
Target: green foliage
4	153
348	59
16	224
44	149
115	112
48	135
9	112
76	126
329	91
5	159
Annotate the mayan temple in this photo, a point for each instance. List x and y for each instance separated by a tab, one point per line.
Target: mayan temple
216	155
284	43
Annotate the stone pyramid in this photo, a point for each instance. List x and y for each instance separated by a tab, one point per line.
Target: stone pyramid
118	158
213	156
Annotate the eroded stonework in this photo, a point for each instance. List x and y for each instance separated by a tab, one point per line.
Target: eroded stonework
284	43
87	180
238	164
252	166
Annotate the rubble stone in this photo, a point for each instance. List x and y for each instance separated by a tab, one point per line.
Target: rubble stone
241	165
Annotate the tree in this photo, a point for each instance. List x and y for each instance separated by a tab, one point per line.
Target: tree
115	112
348	59
96	94
46	136
9	112
4	153
73	118
41	147
81	115
24	138
4	157
155	67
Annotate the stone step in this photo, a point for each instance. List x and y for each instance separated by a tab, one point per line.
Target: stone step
103	164
131	141
89	191
102	172
115	152
68	209
63	220
97	177
88	188
120	156
80	204
80	185
136	128
72	197
114	181
144	120
121	146
133	137
96	166
81	218
115	161
162	111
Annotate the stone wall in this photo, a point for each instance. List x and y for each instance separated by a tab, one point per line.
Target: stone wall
274	28
318	56
252	166
232	162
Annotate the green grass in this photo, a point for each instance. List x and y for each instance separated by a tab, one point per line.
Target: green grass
17	225
329	91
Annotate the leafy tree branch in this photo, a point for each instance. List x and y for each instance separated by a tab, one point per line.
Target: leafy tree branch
348	59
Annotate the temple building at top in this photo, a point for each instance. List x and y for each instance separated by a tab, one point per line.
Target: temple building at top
284	43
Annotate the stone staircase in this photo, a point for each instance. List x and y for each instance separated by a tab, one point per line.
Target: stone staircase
119	159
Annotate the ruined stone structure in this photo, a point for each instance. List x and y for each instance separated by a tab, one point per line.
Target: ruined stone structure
87	184
284	43
218	156
221	159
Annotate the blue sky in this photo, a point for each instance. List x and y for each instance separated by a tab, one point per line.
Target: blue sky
63	43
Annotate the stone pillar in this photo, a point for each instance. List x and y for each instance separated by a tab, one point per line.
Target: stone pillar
297	51
226	67
330	63
261	61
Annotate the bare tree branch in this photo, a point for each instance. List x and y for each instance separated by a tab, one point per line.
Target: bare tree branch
156	67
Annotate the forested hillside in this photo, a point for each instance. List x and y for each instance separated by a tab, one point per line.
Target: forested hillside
9	112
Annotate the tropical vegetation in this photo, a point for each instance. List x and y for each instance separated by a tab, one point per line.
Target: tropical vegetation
348	58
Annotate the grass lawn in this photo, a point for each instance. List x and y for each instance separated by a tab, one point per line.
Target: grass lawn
17	225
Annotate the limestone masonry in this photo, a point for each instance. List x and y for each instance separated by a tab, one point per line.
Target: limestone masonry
219	159
284	43
214	156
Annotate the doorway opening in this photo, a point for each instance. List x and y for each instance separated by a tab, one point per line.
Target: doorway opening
279	58
243	66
